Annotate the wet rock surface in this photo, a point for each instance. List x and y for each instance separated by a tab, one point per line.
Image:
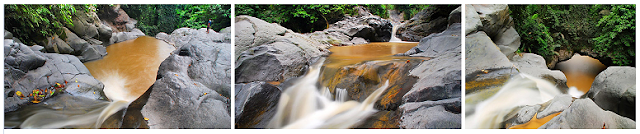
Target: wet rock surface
260	100
614	89
192	88
434	19
584	113
272	56
27	70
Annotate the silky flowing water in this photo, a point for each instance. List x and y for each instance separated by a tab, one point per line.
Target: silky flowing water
527	90
304	105
127	71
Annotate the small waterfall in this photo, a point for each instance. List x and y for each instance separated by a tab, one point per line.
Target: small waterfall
341	95
303	106
518	91
83	114
393	33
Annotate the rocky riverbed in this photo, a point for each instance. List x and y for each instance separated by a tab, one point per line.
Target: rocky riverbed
270	58
51	75
491	63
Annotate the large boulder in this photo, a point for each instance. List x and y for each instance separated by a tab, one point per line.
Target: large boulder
336	38
535	65
494	17
192	89
508	41
84	24
183	36
370	27
482	54
471	20
56	45
124	36
432	114
614	89
437	91
26	70
255	104
584	113
524	114
269	52
434	19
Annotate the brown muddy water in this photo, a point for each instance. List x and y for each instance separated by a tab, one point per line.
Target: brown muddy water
350	55
130	67
581	71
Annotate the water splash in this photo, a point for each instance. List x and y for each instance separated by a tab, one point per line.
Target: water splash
303	106
393	34
519	91
77	112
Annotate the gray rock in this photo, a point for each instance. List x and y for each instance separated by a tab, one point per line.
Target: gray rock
431	114
180	100
585	114
524	114
260	100
124	36
37	48
535	65
83	24
251	32
92	52
77	44
422	24
482	54
56	45
104	34
614	89
333	38
437	44
369	27
558	104
494	18
182	36
455	16
471	20
7	35
438	78
508	41
272	55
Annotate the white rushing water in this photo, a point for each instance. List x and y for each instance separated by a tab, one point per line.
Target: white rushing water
302	105
393	34
518	91
90	116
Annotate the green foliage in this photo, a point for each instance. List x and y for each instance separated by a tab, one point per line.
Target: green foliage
608	30
411	9
617	35
35	22
197	16
535	35
300	18
153	19
314	17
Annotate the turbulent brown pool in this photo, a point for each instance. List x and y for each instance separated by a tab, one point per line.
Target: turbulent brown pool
130	67
581	71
